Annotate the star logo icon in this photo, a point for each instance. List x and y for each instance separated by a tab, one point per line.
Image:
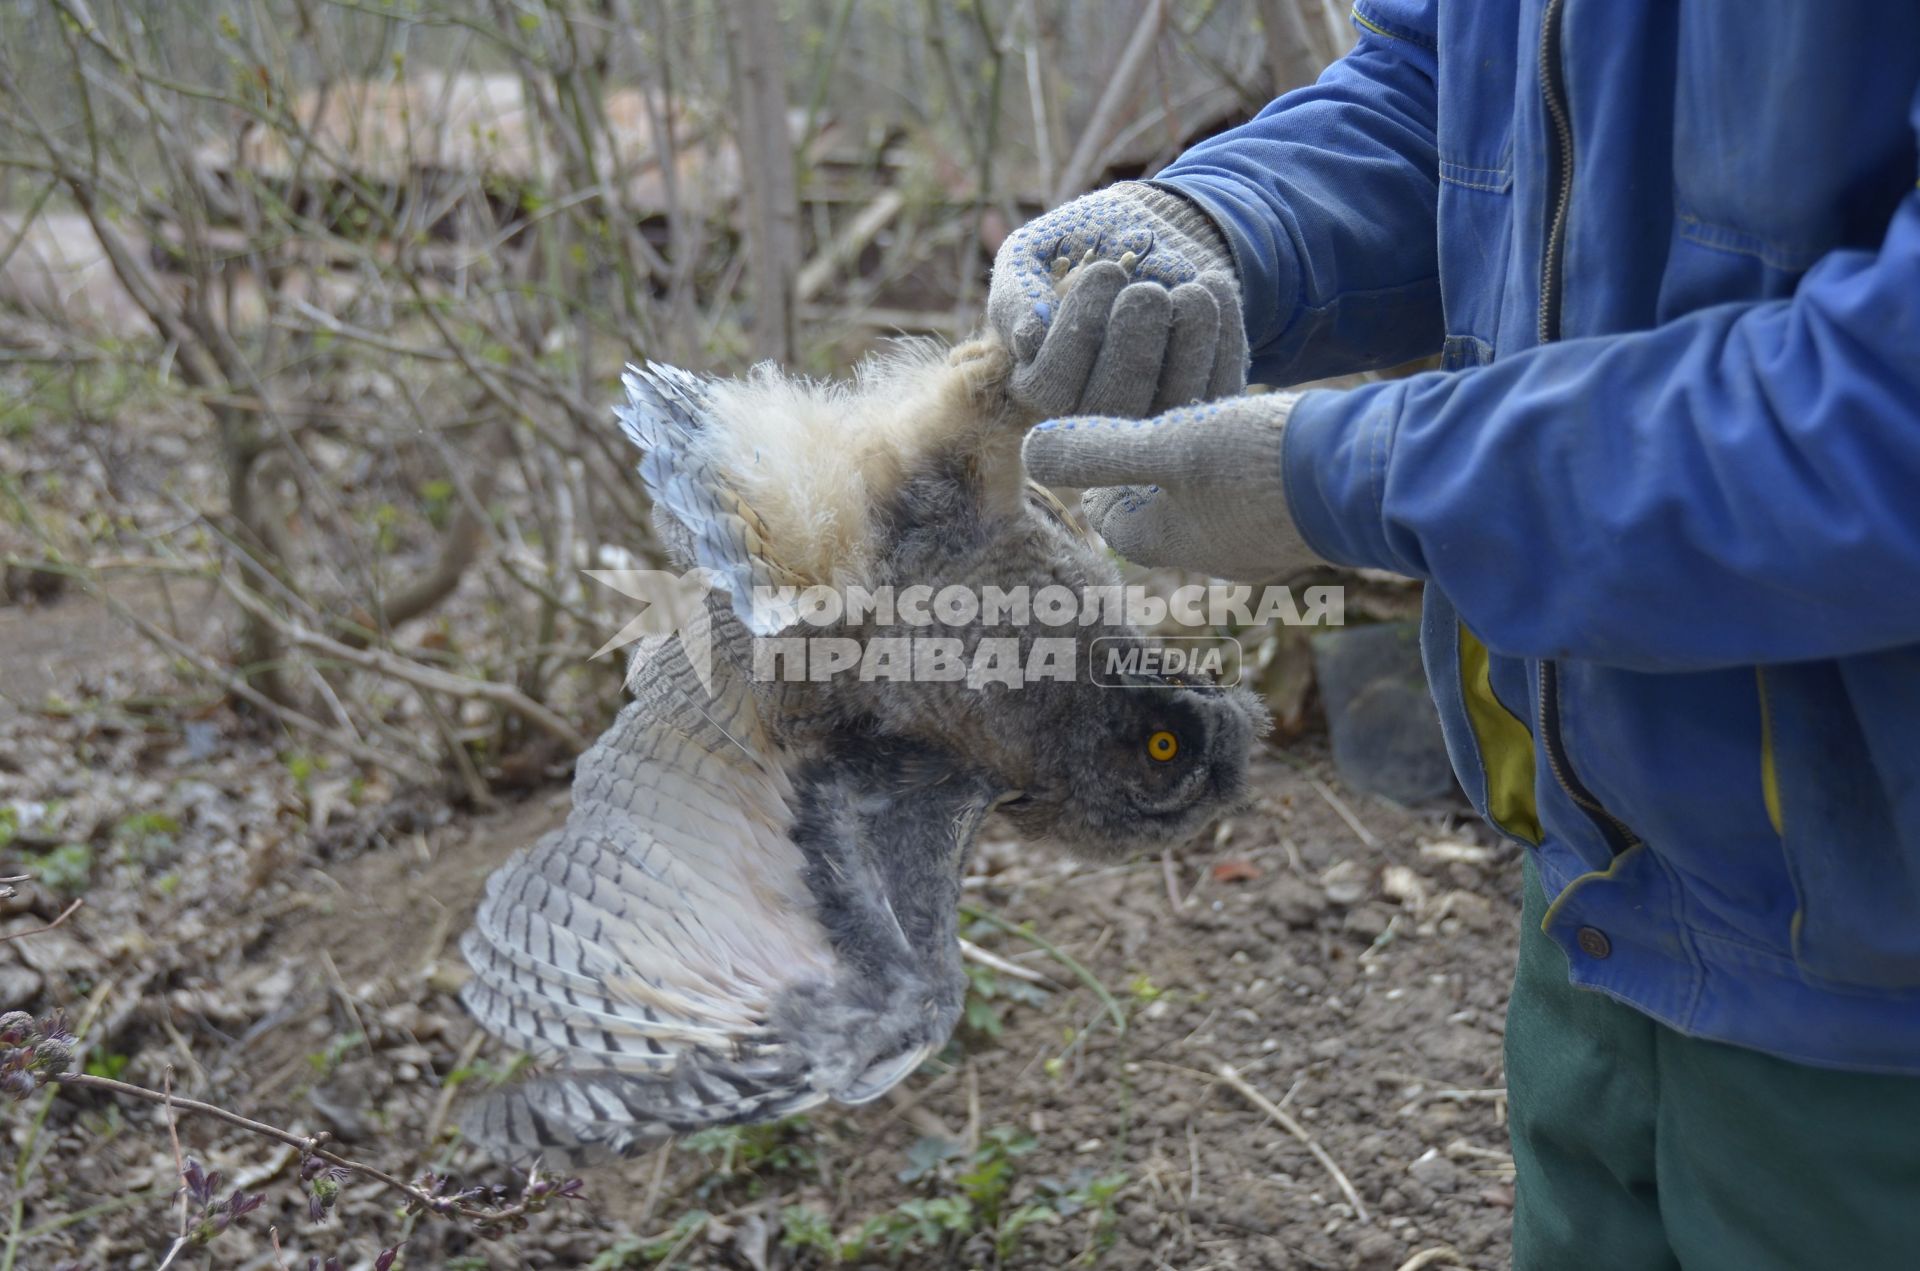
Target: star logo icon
674	606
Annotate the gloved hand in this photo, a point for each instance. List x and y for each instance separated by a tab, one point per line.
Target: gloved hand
1152	321
1199	487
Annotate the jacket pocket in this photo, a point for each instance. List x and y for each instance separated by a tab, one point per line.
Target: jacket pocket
1505	744
1843	773
1489	744
1786	145
1476	232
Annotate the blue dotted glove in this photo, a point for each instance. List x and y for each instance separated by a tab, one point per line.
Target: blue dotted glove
1123	302
1199	487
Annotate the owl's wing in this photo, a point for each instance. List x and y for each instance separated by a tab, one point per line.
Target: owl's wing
697	508
721	932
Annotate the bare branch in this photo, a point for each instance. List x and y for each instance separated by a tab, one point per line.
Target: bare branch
34	931
412	673
1146	33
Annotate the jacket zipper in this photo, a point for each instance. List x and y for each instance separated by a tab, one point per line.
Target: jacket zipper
1618	834
1560	159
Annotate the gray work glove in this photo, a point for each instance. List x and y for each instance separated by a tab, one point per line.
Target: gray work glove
1151	321
1199	487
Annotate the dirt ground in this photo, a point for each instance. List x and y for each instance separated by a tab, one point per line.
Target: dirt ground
281	940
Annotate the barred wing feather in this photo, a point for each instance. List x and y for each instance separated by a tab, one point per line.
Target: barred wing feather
654	930
697	508
726	929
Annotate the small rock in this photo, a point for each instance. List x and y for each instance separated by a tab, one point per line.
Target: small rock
1294	900
1399	883
1174	1112
27	898
1344	883
1384	732
1369	921
1449	852
1435	1171
19	986
430	1025
275	987
1469	910
403	1018
49	951
1375	1250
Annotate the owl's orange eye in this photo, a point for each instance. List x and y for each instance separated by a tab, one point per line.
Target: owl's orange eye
1163	745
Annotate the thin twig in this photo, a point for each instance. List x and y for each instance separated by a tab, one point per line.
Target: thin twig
662	1157
974	953
64	915
238	686
1339	805
924	1119
424	677
1059	955
173	1251
308	1144
1286	1122
179	1163
1227	1073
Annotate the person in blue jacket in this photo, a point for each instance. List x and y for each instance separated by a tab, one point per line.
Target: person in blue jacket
1665	496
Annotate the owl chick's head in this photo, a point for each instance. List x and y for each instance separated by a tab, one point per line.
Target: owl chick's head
1115	767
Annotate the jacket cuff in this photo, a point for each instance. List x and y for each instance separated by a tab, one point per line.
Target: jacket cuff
1191	219
1261	250
1335	454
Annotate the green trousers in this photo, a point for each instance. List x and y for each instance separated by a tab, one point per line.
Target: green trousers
1639	1149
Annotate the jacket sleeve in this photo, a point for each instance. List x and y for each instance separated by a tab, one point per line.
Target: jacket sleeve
1739	486
1327	199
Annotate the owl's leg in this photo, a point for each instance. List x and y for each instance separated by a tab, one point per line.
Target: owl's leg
886	827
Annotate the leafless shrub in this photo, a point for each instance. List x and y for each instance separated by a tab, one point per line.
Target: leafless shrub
387	260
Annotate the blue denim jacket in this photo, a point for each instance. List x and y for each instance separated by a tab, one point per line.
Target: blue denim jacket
1666	491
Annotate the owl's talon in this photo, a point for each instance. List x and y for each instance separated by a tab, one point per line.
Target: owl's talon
1128	260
